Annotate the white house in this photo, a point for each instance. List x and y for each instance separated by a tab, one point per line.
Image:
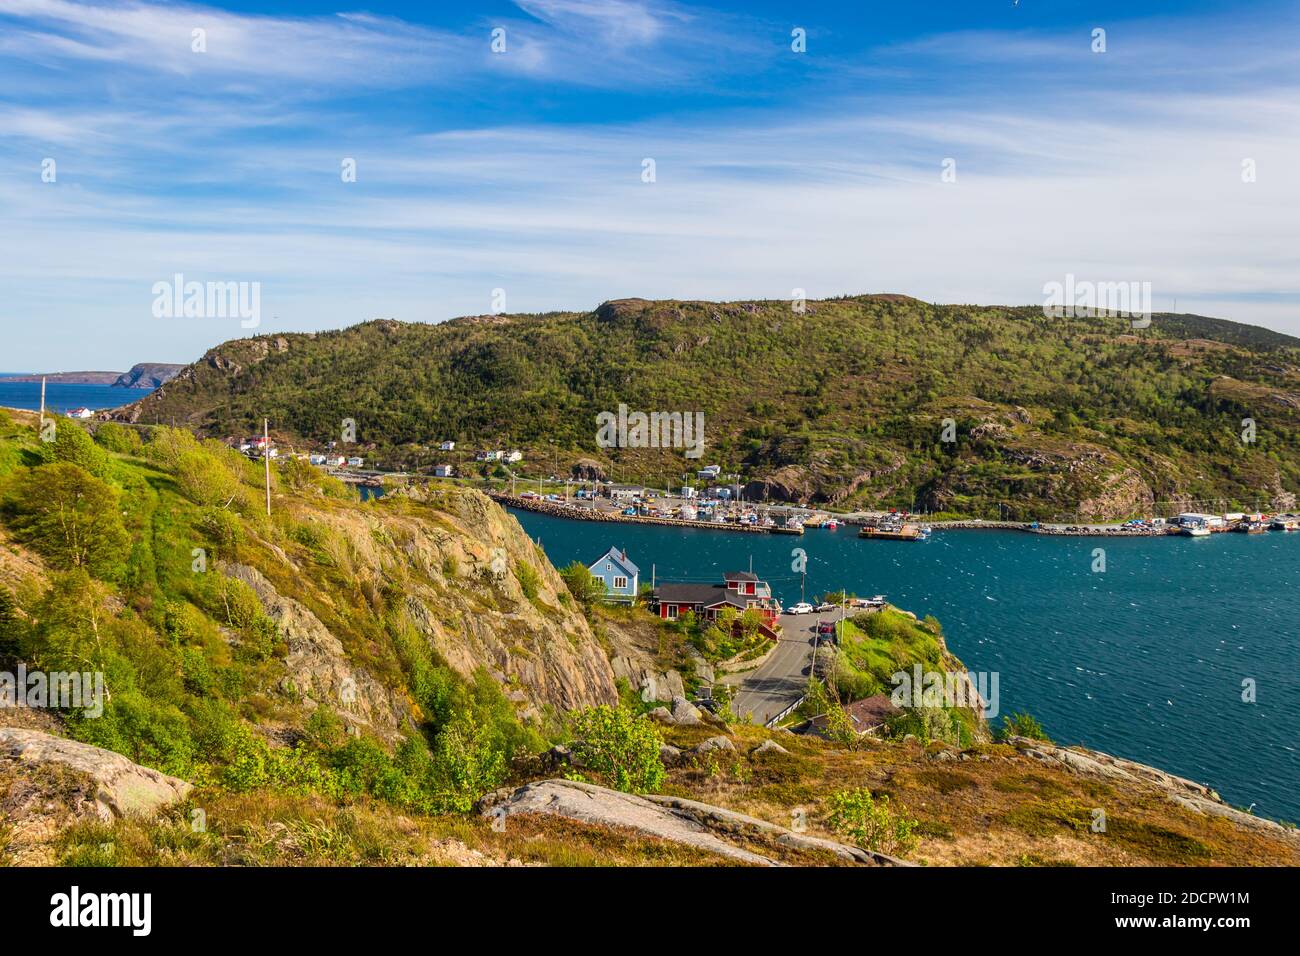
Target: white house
709	471
448	446
317	459
514	455
444	471
81	413
356	462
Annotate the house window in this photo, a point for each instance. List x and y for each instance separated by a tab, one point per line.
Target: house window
620	584
609	566
672	612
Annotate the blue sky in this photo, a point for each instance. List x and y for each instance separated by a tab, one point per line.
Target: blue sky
522	170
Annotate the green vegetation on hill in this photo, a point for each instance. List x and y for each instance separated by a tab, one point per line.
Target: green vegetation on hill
844	403
194	668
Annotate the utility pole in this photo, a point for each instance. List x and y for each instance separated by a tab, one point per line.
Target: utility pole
652	577
266	458
41	427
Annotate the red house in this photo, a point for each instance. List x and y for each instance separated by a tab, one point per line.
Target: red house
739	590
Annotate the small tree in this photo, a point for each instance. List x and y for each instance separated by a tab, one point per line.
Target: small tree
870	823
1021	724
586	588
73	445
618	744
70	517
119	438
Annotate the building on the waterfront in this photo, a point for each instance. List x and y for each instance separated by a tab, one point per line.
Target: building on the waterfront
739	590
620	576
625	492
444	471
81	413
1195	519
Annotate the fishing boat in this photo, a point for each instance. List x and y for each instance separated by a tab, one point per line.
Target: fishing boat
1195	531
923	534
1251	527
1285	523
831	524
891	531
792	526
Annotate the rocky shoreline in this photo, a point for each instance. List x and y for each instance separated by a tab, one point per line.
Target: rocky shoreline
587	514
557	510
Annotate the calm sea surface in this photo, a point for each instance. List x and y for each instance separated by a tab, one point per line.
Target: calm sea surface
1146	660
60	398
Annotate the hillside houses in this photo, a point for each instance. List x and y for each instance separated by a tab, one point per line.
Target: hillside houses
739	590
621	577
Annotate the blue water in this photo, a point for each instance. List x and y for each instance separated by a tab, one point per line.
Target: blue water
60	397
1145	660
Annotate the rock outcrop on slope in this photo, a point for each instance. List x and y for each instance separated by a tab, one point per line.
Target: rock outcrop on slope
1188	794
690	823
148	375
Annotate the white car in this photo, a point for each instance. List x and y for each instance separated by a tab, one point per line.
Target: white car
800	608
828	606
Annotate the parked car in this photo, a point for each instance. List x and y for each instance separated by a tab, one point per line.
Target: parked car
801	608
826	606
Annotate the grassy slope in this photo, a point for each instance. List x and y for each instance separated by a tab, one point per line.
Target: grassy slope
845	402
1004	810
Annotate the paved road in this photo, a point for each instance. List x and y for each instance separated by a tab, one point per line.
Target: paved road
783	677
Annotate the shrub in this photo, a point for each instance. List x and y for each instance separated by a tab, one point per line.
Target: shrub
71	444
1021	724
118	438
614	742
529	580
870	823
586	588
927	724
70	517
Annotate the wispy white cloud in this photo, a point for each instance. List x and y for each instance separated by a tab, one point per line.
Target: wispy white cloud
842	196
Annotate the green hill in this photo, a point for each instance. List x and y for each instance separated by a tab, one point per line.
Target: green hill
844	403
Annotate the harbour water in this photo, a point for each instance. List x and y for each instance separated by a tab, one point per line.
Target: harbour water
1148	659
60	397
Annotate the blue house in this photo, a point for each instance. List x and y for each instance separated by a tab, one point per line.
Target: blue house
621	576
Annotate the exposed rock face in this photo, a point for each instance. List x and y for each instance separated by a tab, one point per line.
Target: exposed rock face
1186	793
318	666
587	469
469	602
118	787
148	375
688	822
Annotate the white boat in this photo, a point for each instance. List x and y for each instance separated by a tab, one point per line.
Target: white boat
1196	531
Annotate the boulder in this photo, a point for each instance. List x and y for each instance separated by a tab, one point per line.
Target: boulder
685	822
121	788
662	715
669	755
715	743
768	747
685	713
